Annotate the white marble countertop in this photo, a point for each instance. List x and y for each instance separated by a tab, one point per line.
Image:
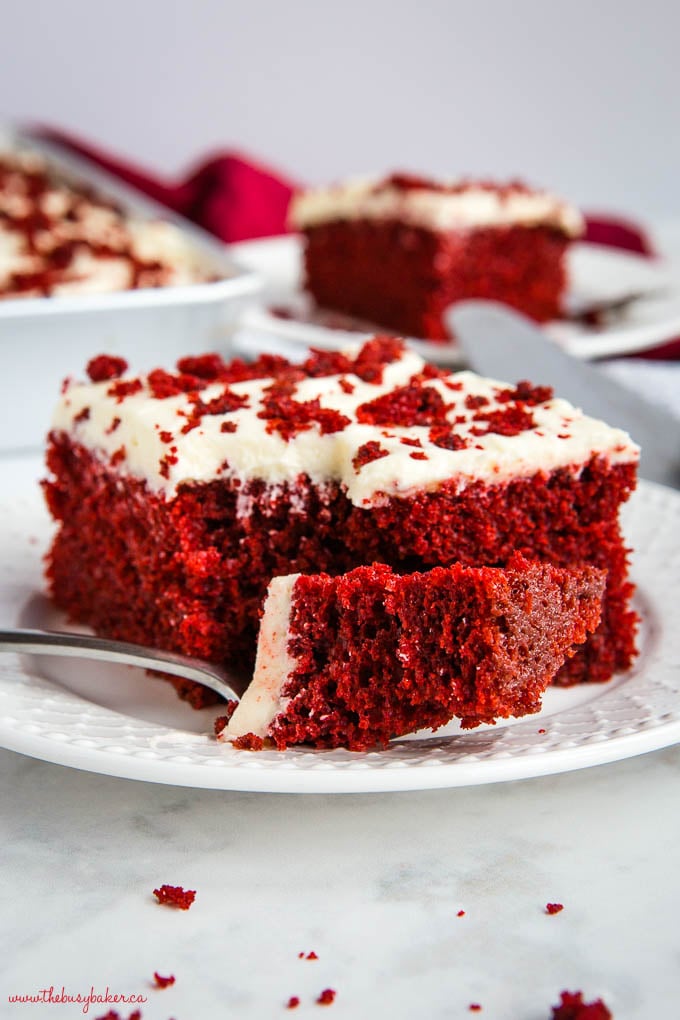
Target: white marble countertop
373	884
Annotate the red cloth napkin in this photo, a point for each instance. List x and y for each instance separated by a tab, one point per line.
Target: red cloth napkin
229	195
236	199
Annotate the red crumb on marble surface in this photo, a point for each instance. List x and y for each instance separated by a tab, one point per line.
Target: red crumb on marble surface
327	997
553	908
293	1002
475	1007
163	982
113	1015
175	896
461	913
541	730
311	956
572	1007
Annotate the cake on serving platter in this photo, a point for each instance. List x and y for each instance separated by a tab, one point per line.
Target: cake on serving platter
180	495
399	251
354	660
57	237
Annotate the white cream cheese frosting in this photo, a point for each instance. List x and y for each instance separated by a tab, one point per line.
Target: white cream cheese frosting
462	207
263	701
145	436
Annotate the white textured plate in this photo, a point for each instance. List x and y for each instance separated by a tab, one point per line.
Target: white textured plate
118	722
597	274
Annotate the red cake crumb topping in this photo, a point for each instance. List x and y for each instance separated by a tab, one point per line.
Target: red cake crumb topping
327	997
461	913
553	908
368	452
163	982
105	367
204	366
124	388
572	1007
446	438
81	416
419	456
293	1002
287	416
175	896
346	386
228	426
414	404
509	422
115	422
165	437
526	393
311	956
475	400
118	456
166	384
474	1007
410	442
248	742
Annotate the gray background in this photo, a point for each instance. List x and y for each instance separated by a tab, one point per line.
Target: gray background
578	96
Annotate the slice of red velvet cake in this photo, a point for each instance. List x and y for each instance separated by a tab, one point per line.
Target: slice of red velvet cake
352	661
180	495
400	251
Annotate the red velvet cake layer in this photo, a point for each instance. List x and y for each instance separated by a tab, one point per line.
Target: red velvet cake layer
377	655
188	573
403	277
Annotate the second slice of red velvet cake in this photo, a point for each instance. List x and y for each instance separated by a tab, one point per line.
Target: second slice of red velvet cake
355	660
399	251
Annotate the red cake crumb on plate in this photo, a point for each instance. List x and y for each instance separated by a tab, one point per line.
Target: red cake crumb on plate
400	251
327	997
354	660
553	908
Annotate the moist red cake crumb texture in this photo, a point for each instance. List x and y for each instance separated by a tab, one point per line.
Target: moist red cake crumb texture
390	269
293	1002
187	569
553	908
375	655
175	896
572	1007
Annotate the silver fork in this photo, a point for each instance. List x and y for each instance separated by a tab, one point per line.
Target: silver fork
82	646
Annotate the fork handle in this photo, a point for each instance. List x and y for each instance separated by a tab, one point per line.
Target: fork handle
83	646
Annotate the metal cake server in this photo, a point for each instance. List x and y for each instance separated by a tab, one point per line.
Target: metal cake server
82	646
501	343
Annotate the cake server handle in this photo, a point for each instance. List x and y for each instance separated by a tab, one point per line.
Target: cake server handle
82	646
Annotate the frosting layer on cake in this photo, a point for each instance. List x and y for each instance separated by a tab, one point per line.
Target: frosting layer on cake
399	429
423	203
